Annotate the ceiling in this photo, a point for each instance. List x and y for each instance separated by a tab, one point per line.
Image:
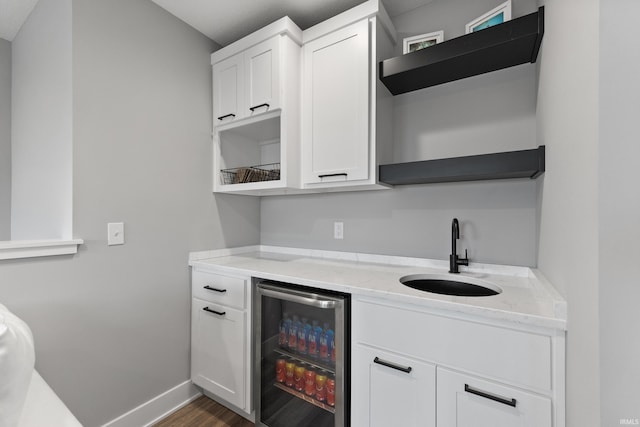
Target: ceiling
12	14
224	21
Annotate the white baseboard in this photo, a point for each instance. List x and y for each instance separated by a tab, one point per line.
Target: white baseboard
159	407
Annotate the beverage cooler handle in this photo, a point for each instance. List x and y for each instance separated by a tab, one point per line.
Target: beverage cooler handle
295	296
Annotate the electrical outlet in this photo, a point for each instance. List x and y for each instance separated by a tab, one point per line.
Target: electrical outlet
115	233
338	230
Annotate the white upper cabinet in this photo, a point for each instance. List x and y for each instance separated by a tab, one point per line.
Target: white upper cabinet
256	112
336	108
227	90
289	119
263	76
247	83
346	123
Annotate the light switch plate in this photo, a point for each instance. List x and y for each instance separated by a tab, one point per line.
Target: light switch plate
115	233
338	230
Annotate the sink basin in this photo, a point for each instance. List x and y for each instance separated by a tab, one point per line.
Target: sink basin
448	284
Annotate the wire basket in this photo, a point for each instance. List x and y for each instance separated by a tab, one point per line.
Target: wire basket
259	173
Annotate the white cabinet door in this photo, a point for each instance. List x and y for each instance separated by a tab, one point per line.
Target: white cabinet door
384	394
262	64
218	350
228	90
466	401
336	106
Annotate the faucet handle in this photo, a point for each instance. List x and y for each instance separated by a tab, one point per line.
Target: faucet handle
465	260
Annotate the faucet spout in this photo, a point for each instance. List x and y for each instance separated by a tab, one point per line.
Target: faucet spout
454	260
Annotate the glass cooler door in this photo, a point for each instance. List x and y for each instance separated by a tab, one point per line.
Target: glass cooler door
301	356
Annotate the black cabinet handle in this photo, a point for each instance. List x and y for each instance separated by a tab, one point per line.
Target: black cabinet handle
219	313
406	369
509	402
224	117
332	174
209	288
258	106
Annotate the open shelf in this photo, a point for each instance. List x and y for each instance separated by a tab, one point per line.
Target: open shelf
505	45
511	164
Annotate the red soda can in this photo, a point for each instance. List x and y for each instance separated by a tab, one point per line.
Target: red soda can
290	374
280	370
331	391
310	382
299	377
321	390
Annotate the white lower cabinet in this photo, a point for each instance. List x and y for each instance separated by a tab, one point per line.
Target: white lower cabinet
220	334
218	350
396	390
414	367
467	401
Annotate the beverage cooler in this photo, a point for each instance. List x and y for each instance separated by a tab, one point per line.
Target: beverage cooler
301	356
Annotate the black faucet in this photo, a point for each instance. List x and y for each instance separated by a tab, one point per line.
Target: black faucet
454	261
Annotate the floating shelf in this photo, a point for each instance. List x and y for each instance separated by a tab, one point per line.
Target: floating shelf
504	45
511	164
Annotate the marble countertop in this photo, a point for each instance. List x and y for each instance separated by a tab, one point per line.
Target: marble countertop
527	297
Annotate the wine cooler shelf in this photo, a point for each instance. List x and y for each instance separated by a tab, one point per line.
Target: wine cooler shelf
301	395
312	362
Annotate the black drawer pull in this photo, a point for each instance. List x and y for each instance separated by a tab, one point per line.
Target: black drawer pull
258	106
219	313
509	402
379	361
224	117
332	174
209	288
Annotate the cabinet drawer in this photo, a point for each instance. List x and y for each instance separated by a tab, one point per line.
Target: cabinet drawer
512	356
218	288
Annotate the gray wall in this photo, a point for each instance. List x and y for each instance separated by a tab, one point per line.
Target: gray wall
5	140
41	129
498	221
568	254
619	210
482	114
111	324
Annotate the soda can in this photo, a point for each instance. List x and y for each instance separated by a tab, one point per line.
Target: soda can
280	370
290	374
310	382
321	391
299	377
331	391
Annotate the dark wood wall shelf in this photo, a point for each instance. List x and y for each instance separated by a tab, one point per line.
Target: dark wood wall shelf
505	45
511	164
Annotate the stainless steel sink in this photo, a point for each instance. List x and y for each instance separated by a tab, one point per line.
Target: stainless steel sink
448	284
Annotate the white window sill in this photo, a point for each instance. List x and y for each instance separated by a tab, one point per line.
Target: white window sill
14	249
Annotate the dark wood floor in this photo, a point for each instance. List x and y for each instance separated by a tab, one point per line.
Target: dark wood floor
204	412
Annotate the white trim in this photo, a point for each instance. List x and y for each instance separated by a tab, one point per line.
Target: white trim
14	249
159	407
282	26
407	42
503	8
365	10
